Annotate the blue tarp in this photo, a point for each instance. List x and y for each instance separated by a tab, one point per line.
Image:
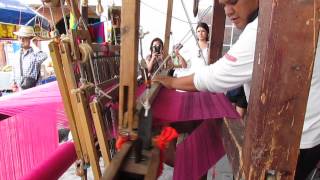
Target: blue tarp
14	12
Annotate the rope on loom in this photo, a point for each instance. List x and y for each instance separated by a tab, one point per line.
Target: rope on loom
87	52
99	8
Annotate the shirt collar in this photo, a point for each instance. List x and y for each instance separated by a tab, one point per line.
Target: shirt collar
30	50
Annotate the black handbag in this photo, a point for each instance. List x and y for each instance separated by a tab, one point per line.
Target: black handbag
26	82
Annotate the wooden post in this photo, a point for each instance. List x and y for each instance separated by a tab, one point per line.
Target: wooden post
285	52
130	15
86	123
63	87
168	28
217	32
101	130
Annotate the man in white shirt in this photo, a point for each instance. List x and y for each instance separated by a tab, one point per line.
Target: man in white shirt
235	69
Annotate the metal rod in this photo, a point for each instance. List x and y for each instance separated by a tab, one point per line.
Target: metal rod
160	66
192	30
64	16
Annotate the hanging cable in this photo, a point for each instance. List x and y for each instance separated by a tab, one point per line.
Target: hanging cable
192	30
164	13
186	37
64	16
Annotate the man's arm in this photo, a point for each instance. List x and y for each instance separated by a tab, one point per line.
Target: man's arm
40	57
182	83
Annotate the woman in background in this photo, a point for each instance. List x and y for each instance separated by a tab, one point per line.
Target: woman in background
197	61
155	58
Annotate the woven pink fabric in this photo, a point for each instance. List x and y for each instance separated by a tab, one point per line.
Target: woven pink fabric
30	134
46	96
198	152
55	165
174	106
26	139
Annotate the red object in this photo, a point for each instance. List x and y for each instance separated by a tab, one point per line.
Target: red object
230	58
167	135
120	141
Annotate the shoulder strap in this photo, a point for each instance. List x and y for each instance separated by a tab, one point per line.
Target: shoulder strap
21	69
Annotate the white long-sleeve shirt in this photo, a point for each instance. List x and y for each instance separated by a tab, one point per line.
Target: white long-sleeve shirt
235	69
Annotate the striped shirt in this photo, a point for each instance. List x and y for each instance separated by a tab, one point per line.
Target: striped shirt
31	63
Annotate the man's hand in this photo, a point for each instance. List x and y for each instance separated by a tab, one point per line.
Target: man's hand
166	81
14	87
182	83
35	44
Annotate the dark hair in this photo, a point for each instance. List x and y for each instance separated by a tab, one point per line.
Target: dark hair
154	40
204	26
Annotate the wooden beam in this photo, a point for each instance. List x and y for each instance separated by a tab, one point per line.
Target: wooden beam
280	87
71	83
130	15
63	87
232	137
87	127
112	171
217	32
168	28
101	130
153	168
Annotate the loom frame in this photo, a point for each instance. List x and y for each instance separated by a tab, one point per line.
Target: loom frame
238	136
239	145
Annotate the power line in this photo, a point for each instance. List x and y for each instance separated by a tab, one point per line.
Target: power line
164	13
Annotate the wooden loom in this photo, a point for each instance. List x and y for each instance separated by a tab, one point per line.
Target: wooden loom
255	154
248	143
85	117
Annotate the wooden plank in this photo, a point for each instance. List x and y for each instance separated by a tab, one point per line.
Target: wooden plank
130	165
152	171
168	28
153	91
101	132
65	52
87	127
217	32
233	136
58	69
280	87
112	171
130	15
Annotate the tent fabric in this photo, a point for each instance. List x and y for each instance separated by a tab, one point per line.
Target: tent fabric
14	12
